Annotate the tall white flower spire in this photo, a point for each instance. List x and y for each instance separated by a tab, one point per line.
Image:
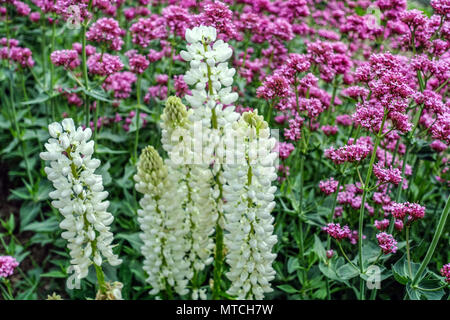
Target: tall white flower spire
163	223
195	178
80	198
249	199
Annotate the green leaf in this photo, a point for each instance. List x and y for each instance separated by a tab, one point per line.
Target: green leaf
28	212
39	99
401	270
106	135
347	271
103	149
292	264
105	174
287	288
319	248
54	274
97	95
133	239
49	225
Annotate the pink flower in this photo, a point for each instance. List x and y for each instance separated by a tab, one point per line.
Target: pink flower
294	131
138	62
7	266
285	149
392	175
441	128
330	254
328	186
414	211
398	224
181	88
106	30
336	231
104	64
387	243
382	225
349	153
329	130
438	146
66	58
273	87
445	271
35	16
120	83
344	120
147	29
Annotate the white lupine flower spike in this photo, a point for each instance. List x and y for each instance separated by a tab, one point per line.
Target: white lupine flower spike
163	224
80	198
249	199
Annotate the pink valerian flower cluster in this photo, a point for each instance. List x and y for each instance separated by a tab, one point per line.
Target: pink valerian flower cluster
65	8
138	62
392	175
131	118
438	146
106	30
72	97
78	47
344	120
353	152
159	91
285	149
7	266
177	19
180	86
148	29
329	130
219	16
386	76
445	271
387	243
441	127
10	50
273	87
104	64
295	128
120	83
283	173
66	58
336	231
351	196
328	186
411	211
295	64
382	225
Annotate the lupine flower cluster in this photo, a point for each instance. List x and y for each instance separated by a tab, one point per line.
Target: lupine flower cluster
214	190
79	197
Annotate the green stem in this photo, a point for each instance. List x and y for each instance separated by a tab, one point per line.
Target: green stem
138	109
345	256
408	254
434	242
363	201
100	278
